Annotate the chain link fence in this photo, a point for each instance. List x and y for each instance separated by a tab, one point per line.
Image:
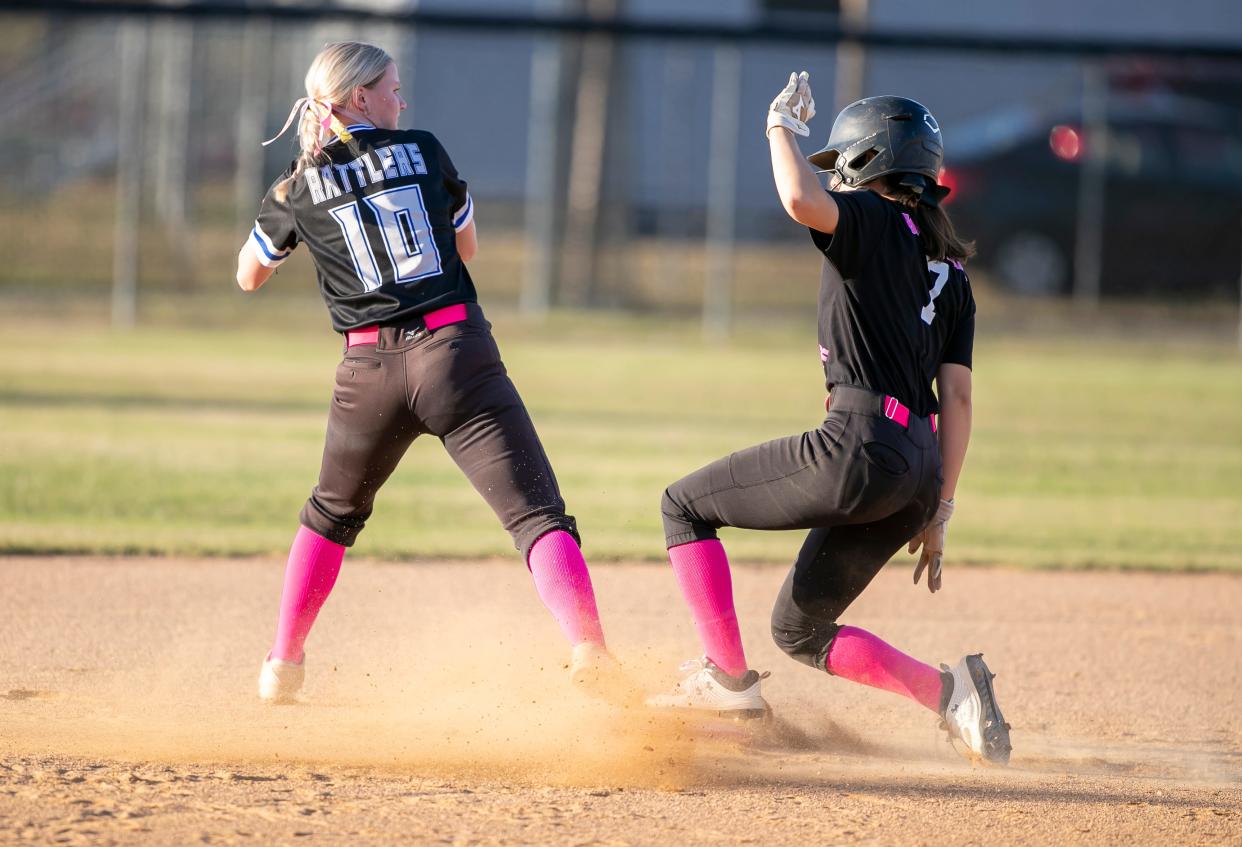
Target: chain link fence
612	166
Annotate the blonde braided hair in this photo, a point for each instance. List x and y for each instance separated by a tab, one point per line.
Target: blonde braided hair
336	71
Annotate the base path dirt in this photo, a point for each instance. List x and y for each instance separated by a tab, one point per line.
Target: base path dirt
437	711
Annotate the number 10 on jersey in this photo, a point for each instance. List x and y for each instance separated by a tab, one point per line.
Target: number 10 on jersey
405	232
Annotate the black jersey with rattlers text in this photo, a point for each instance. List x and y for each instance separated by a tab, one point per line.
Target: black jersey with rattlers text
381	221
889	316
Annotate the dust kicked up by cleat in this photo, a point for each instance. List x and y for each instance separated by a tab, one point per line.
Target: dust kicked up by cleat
707	689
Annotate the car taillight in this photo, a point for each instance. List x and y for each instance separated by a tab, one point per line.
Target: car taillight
952	181
1066	143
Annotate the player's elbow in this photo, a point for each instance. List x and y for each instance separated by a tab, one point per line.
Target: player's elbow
468	241
251	273
246	281
956	396
813	210
251	276
958	405
953	384
797	206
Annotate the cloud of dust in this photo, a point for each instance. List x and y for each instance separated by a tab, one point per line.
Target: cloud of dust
439	692
470	706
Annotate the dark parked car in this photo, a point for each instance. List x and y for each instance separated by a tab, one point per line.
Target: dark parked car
1172	207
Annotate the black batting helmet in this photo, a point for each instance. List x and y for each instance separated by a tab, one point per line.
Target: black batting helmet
878	136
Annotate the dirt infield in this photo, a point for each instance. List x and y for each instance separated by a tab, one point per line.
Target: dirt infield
437	712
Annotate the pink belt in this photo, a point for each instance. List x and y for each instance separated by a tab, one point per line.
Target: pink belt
894	410
431	320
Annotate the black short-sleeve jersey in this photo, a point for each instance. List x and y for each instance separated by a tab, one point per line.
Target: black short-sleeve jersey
380	218
889	316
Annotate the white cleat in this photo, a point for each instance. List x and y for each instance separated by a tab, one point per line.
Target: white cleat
971	713
280	681
706	688
594	671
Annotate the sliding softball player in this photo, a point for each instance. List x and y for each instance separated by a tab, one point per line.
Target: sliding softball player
896	314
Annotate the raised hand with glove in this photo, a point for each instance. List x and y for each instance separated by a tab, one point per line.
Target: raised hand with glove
794	106
799	188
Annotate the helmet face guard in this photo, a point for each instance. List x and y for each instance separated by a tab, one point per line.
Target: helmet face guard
878	136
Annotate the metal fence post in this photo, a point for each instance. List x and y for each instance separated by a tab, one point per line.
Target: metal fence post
251	118
171	51
721	191
132	43
680	157
851	57
543	134
1092	179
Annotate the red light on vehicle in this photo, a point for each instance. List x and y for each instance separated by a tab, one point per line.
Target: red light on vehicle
951	180
1065	143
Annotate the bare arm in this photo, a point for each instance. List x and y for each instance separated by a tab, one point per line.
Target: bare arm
467	242
953	388
804	199
801	194
251	273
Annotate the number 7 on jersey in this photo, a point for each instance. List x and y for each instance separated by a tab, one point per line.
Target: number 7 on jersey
941	270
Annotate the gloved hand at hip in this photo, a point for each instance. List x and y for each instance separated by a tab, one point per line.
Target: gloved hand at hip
931	539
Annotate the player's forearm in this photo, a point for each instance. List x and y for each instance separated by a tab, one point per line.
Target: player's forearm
801	194
954	431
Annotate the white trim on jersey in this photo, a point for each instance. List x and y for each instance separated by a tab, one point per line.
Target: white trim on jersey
265	251
463	216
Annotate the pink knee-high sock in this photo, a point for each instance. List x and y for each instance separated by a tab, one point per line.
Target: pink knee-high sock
314	563
702	571
859	656
564	586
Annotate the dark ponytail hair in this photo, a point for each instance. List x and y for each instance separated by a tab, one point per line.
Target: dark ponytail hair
937	235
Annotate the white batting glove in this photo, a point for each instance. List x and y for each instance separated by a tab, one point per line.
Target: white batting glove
794	106
932	541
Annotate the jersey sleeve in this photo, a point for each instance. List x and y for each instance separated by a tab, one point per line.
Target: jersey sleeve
463	206
959	348
273	237
860	223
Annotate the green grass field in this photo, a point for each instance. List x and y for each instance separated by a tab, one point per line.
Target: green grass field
1086	453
